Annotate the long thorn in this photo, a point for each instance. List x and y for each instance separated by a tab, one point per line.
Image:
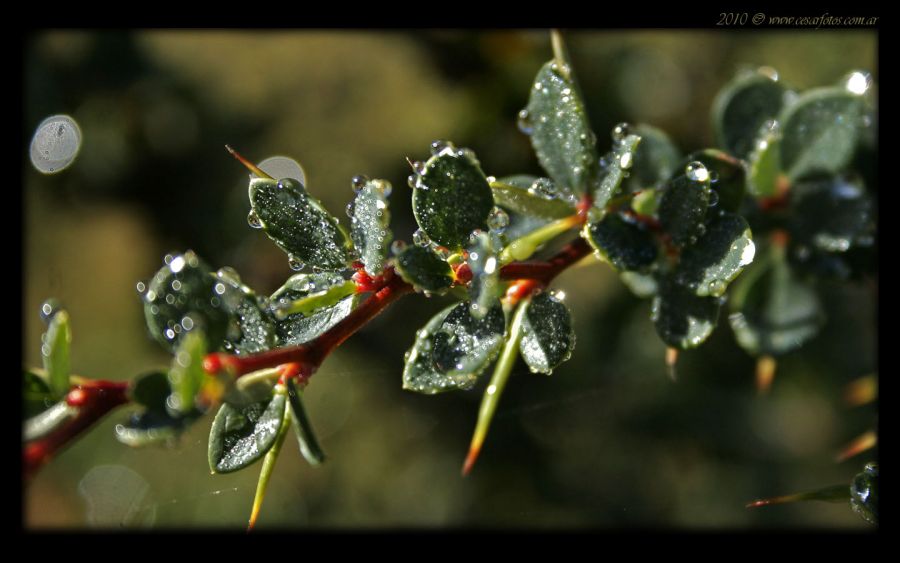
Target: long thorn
865	441
837	493
671	361
250	166
765	374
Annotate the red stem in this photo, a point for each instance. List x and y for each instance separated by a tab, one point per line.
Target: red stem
94	400
545	271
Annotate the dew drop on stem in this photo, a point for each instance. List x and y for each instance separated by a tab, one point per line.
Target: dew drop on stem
620	131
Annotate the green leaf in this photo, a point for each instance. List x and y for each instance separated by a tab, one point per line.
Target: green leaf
484	289
728	178
419	373
369	221
306	438
251	328
55	352
151	390
683	319
36	393
451	197
47	421
624	244
864	493
548	336
656	158
528	195
241	435
618	167
772	311
560	133
298	223
186	374
180	297
831	214
682	208
708	266
300	327
742	107
820	132
465	345
424	269
150	427
765	166
646	202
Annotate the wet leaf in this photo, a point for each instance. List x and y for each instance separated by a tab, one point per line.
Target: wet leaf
532	196
864	493
548	336
464	345
765	166
484	289
181	296
742	107
251	327
306	438
419	373
47	421
298	223
682	208
646	202
150	426
424	269
560	133
242	435
186	374
683	319
36	394
150	390
831	214
729	174
55	353
820	132
301	327
708	266
452	198
622	243
369	225
621	160
772	311
656	158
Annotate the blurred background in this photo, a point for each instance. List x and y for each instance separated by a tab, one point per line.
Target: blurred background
607	441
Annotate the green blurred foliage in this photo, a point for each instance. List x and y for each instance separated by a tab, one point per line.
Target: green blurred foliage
607	441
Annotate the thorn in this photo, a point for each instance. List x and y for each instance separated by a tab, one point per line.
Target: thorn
474	450
765	373
411	163
862	443
861	391
671	360
250	166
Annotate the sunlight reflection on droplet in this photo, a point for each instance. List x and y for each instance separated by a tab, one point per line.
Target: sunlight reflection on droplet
283	167
115	496
55	144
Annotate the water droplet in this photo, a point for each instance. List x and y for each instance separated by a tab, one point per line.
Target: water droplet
412	180
625	160
439	146
748	253
295	263
220	288
498	219
768	72
420	238
559	294
397	247
49	308
55	144
385	187
418	167
187	323
359	182
858	82
696	171
170	334
525	122
170	299
716	287
620	131
253	220
351	208
167	259
141	287
473	256
543	187
177	264
713	198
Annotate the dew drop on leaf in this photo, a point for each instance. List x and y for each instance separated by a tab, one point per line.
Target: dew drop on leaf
253	220
498	220
620	132
525	122
696	171
420	238
295	263
358	183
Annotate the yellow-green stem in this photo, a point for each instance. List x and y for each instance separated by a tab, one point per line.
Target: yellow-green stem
310	303
269	461
523	248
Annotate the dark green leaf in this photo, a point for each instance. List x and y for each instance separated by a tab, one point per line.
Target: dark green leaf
424	269
484	289
742	107
656	158
620	162
548	336
864	493
773	312
624	244
682	208
820	132
728	179
151	390
242	435
186	375
152	426
465	346
302	327
532	196
251	328
708	266
309	445
369	220
37	395
55	352
765	166
298	223
181	297
683	319
560	133
452	197
419	373
47	421
831	214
